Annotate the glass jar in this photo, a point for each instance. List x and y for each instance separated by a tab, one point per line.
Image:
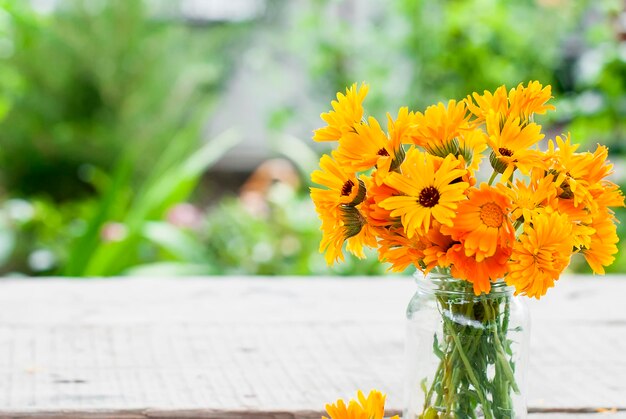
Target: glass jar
466	355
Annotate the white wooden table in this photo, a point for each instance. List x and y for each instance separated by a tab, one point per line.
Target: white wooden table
270	347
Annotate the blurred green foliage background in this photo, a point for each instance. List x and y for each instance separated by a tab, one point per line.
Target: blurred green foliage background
148	137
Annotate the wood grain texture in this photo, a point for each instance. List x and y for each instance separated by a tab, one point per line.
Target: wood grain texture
268	347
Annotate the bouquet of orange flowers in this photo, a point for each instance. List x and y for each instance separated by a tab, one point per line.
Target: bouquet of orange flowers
466	189
414	194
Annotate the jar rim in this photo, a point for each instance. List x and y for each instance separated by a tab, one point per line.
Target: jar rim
440	281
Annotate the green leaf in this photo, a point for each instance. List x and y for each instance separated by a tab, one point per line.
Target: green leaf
436	349
178	243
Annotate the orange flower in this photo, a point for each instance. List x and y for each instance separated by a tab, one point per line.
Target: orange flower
436	252
482	273
376	215
425	252
347	112
482	223
395	248
540	255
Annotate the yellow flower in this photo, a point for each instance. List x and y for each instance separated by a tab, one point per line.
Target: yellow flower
341	224
482	223
607	194
496	102
366	237
439	126
578	173
402	129
339	410
510	142
343	186
541	253
529	100
471	145
362	149
431	191
347	112
527	197
521	102
603	242
339	209
370	407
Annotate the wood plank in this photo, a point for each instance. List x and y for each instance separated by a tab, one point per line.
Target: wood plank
280	347
210	414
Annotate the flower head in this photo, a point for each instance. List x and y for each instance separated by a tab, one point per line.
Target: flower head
578	173
342	187
602	244
430	188
439	126
480	274
339	208
347	112
363	148
482	223
541	253
370	407
511	141
521	102
529	197
345	223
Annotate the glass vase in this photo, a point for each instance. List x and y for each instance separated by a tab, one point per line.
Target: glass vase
466	354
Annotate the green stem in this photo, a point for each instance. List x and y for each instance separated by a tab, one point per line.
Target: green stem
474	339
471	375
501	356
493	177
436	379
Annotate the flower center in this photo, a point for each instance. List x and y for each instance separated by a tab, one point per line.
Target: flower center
382	152
491	215
505	152
347	188
429	197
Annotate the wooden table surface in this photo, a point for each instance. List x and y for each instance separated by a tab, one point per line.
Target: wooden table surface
270	347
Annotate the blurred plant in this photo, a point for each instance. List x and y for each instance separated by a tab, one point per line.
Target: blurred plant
425	51
102	114
595	108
